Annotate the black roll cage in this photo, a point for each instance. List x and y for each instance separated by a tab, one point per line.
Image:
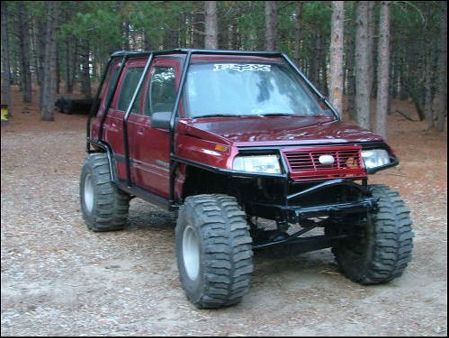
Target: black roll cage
174	159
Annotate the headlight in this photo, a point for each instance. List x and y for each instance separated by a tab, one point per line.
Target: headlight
375	158
267	164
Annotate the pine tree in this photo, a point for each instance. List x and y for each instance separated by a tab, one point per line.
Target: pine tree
362	98
211	38
383	75
336	56
49	77
270	25
439	105
6	75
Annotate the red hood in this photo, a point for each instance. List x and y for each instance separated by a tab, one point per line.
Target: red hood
278	130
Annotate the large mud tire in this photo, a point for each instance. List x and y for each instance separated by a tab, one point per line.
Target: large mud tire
384	245
214	251
103	205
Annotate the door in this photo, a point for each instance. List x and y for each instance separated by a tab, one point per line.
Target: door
150	149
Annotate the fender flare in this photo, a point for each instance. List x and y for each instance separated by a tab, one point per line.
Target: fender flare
111	160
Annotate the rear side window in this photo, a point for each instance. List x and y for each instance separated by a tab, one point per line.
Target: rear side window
128	88
112	82
108	86
162	91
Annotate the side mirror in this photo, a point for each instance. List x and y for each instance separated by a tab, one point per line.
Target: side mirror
161	120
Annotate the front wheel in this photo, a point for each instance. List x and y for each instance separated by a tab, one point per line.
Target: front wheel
213	250
380	246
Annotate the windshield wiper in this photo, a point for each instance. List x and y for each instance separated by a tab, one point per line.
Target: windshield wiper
212	115
275	114
219	115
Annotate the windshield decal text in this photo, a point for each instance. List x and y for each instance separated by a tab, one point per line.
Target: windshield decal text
250	67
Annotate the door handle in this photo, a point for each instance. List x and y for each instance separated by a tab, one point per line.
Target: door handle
140	130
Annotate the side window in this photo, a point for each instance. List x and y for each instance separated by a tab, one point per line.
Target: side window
129	85
112	81
108	85
161	91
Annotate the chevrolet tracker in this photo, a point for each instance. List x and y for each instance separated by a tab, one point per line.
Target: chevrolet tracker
251	157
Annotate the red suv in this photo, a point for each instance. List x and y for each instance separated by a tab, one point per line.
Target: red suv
251	156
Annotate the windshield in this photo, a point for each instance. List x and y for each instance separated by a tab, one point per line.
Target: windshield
254	89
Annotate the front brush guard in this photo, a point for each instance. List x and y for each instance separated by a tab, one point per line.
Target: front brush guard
296	213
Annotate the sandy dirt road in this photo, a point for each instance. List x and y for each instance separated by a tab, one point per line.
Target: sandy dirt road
57	278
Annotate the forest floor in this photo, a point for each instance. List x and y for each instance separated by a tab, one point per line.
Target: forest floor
58	278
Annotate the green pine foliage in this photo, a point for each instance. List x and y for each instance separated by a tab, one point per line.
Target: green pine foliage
106	26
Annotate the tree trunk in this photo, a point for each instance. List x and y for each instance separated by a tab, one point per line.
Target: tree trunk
383	75
231	36
399	67
428	89
147	43
323	68
350	78
362	98
25	52
236	38
371	50
125	34
211	38
34	52
314	73
85	72
183	33
336	56
270	25
297	47
223	28
198	27
41	55
6	69
57	66
74	65
48	87
68	52
439	105
403	73
393	74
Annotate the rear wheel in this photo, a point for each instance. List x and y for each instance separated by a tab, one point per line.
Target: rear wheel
381	244
213	250
103	205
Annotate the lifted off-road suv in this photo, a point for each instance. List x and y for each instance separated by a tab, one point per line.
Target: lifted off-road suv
251	156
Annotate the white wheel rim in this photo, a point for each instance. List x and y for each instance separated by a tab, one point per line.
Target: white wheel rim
191	252
88	193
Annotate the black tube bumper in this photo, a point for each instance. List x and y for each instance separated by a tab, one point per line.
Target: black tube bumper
293	214
363	205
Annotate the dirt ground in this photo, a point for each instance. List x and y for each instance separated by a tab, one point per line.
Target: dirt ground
58	278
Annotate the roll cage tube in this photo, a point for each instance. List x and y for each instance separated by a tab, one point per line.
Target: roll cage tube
94	107
108	103
174	160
